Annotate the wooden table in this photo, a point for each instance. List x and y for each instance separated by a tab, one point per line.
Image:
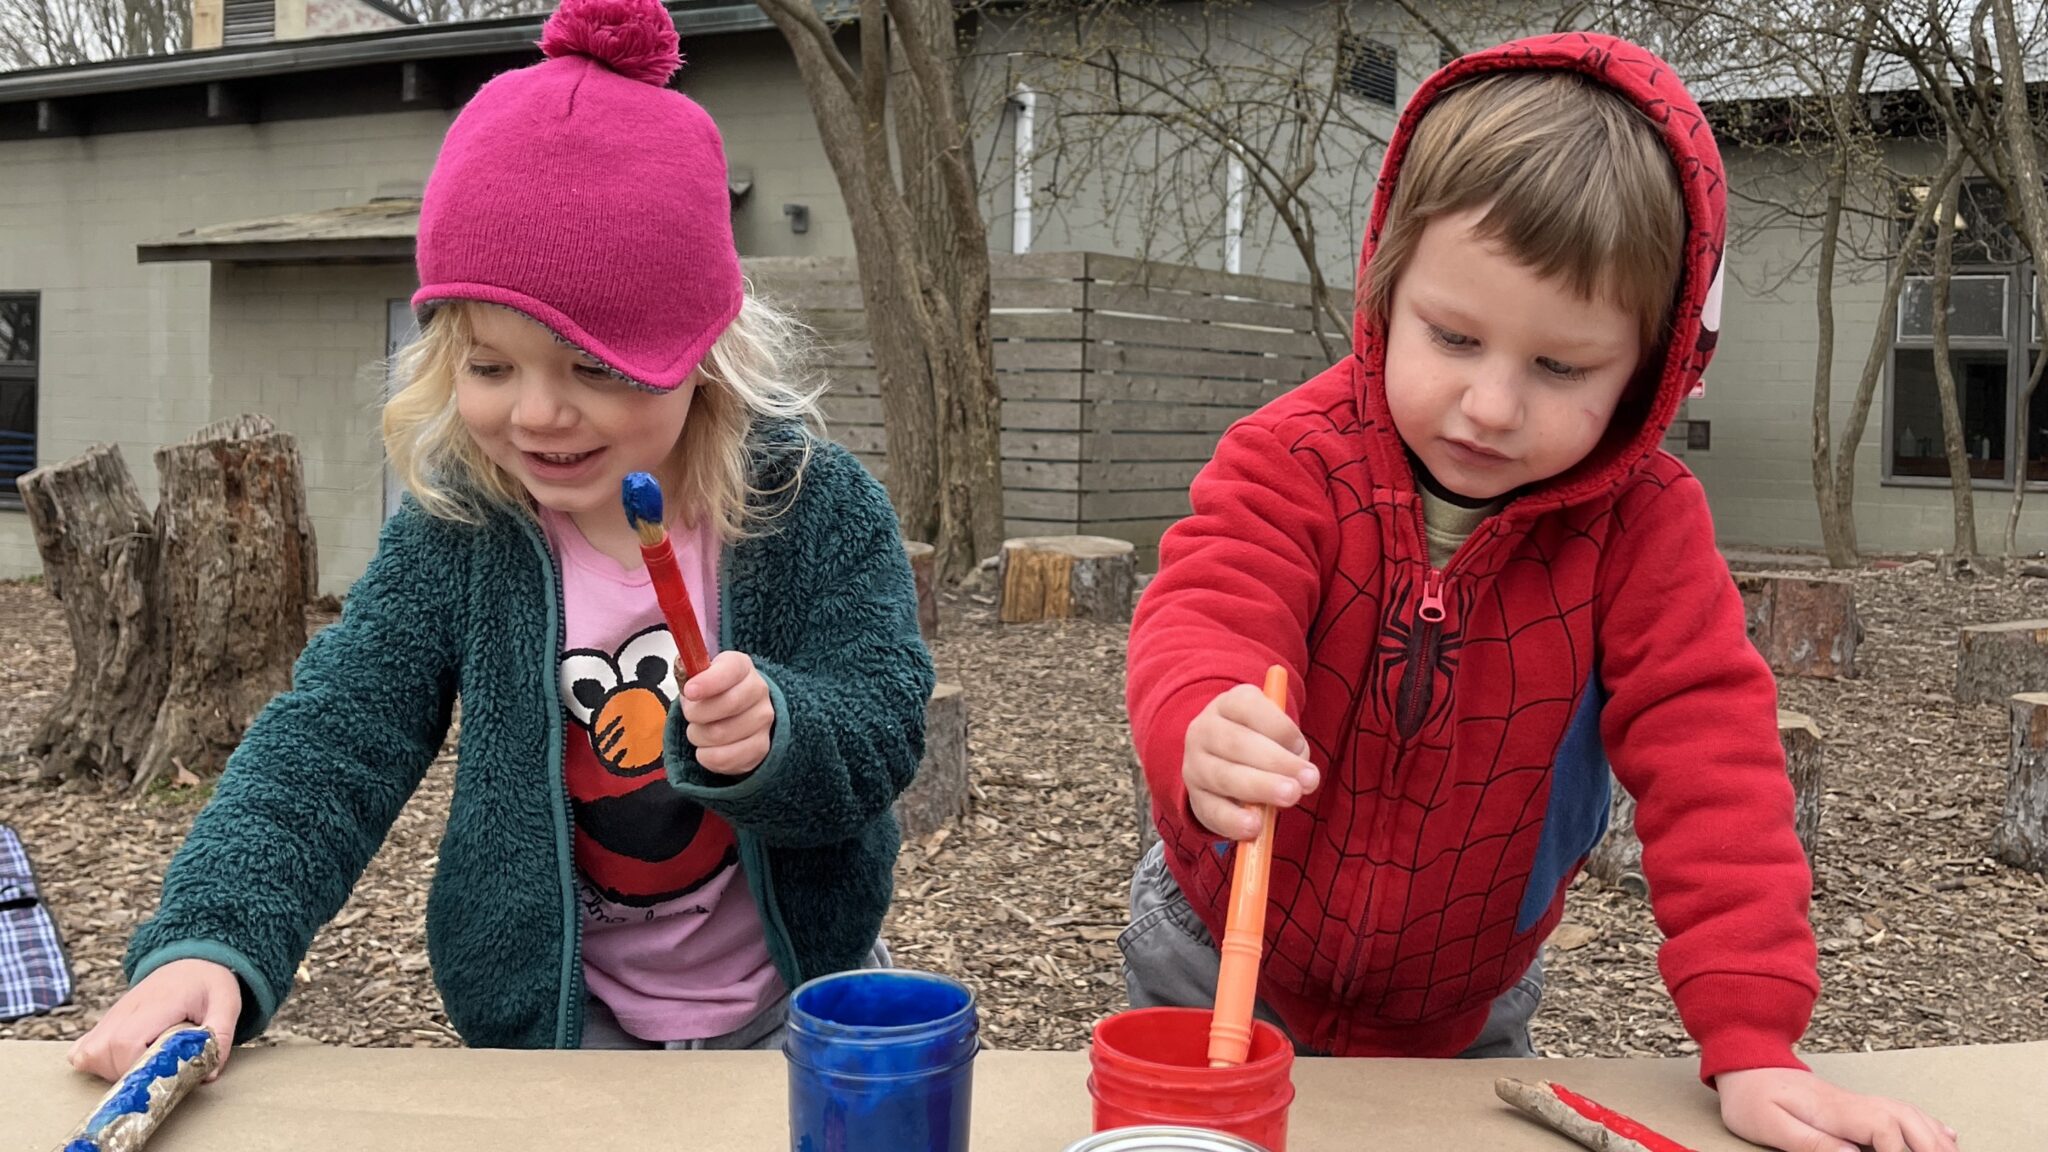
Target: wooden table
314	1098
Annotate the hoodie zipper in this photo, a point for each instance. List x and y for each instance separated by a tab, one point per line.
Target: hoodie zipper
569	1011
1411	705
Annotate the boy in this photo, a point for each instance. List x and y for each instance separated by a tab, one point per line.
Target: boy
1487	579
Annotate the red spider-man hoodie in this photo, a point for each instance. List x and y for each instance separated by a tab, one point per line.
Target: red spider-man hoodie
1465	761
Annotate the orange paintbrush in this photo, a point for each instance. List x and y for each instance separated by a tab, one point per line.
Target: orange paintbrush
1237	984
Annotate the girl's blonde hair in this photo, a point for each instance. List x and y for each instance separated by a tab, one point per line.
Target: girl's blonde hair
757	372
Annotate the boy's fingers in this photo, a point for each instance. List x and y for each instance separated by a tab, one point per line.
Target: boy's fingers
1248	706
1241	745
1220	816
1240	784
1775	1127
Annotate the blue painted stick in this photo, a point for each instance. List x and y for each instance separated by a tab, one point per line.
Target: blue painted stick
133	1109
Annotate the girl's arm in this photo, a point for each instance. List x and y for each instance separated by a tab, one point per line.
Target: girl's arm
831	597
322	772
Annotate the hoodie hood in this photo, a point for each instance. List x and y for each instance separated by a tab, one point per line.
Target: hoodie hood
1654	88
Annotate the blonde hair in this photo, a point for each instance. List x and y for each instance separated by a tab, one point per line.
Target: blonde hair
754	374
1575	181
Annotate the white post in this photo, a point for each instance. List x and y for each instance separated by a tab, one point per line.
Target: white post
1233	214
1020	195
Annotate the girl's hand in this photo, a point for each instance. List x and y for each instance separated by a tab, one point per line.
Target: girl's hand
181	992
1800	1112
1243	751
731	718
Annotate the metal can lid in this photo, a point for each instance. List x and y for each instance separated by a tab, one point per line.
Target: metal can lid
1162	1138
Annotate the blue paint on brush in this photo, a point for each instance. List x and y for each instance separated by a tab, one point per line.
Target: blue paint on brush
881	1058
641	495
131	1096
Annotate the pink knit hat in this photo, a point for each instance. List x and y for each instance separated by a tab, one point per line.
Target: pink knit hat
586	194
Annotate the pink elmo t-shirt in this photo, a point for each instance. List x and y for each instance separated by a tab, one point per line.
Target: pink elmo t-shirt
672	942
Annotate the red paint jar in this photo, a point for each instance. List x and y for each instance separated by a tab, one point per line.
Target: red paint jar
1151	1066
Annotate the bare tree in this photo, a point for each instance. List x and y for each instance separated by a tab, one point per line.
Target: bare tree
39	33
1962	483
922	250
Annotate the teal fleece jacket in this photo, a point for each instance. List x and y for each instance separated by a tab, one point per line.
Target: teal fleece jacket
823	602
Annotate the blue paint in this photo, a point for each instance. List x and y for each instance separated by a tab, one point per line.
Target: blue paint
1576	817
641	495
881	1059
131	1096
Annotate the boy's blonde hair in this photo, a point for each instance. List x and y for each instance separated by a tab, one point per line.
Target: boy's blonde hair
754	372
1580	187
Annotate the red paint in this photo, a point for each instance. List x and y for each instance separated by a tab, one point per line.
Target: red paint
1151	1066
675	607
1616	1123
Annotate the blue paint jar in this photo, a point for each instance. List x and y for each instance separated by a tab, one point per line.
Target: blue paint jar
881	1060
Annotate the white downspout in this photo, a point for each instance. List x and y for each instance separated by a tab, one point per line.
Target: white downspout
1020	194
1233	214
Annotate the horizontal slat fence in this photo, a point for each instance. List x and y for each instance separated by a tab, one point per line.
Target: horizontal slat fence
1117	377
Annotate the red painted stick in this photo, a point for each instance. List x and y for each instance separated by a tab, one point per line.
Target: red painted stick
1592	1125
642	499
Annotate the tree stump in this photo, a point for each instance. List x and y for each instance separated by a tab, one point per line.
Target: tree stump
1618	858
923	564
1996	662
1141	793
1064	577
1803	625
939	794
99	549
236	558
2021	838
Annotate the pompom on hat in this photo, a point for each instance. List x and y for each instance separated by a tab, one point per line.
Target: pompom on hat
584	193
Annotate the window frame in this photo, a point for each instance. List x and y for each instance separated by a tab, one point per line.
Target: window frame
29	371
2020	317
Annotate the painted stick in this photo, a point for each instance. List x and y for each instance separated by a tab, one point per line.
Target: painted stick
1601	1129
1244	931
133	1109
642	498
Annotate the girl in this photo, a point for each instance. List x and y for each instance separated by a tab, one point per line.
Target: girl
629	861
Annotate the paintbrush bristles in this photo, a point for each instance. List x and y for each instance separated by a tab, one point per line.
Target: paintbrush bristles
651	535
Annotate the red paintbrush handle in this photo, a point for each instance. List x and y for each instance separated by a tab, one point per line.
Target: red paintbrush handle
674	598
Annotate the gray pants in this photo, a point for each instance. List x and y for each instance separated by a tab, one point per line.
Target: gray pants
601	1029
1170	960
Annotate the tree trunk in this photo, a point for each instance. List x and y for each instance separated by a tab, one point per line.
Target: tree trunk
99	550
1995	662
2018	139
921	556
1803	626
2021	838
231	518
1837	525
1960	481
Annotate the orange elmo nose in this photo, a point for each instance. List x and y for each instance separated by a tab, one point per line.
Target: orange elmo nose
627	731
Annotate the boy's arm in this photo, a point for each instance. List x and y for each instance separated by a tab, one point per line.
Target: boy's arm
1238	585
317	780
1691	728
854	675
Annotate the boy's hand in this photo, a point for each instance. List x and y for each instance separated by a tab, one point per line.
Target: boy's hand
1243	751
1800	1112
731	717
181	992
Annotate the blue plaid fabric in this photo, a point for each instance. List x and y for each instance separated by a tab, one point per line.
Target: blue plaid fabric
33	975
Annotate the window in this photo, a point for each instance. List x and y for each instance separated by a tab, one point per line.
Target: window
1994	335
19	351
1370	69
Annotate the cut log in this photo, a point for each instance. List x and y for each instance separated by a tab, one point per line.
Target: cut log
2021	838
923	561
1996	662
1803	625
99	549
1141	794
939	794
236	551
1618	858
251	426
1065	577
